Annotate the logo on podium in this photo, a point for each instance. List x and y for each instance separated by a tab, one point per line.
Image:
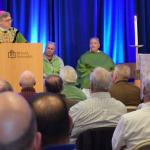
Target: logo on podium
11	54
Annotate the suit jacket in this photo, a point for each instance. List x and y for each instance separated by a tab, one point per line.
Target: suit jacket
127	93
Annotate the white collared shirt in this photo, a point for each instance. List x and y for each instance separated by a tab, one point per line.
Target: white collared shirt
132	129
100	110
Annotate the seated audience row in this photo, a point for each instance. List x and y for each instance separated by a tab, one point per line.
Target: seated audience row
65	110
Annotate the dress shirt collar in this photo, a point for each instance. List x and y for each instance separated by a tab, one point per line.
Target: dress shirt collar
28	89
101	95
120	81
145	105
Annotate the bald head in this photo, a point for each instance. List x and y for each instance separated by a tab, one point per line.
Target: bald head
17	123
53	84
5	86
27	79
52	118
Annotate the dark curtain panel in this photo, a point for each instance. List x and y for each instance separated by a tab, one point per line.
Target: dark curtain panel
143	12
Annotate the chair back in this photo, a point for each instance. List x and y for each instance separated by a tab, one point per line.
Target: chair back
96	139
143	146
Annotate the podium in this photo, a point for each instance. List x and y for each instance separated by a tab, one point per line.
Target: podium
18	57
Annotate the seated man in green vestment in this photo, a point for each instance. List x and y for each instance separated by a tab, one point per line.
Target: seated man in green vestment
90	60
69	77
51	63
9	34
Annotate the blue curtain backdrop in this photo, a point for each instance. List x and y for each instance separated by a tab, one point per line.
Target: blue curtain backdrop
71	23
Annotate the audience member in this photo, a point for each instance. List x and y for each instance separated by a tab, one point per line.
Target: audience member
54	84
18	129
53	121
126	92
98	111
69	77
5	86
27	83
133	128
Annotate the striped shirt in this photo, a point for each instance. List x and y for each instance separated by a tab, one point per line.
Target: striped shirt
100	110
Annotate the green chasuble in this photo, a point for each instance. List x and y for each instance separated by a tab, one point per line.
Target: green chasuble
52	67
11	36
88	62
73	93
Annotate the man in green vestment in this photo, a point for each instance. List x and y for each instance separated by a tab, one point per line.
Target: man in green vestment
51	62
9	34
90	60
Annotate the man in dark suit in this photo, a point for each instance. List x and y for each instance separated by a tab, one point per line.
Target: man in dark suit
127	93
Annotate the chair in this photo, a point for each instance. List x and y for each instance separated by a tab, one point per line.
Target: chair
143	146
95	139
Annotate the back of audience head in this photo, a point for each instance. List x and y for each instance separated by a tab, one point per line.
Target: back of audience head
53	84
100	80
68	74
5	86
52	118
18	129
121	72
146	89
27	79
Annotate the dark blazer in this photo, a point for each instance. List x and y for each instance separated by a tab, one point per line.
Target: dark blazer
127	93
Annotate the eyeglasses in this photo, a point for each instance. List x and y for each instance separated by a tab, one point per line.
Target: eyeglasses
8	20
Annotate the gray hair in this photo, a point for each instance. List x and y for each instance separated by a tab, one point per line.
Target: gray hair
68	74
95	38
4	14
51	43
146	85
123	71
27	79
100	79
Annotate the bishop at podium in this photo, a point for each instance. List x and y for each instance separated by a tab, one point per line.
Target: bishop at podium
9	34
